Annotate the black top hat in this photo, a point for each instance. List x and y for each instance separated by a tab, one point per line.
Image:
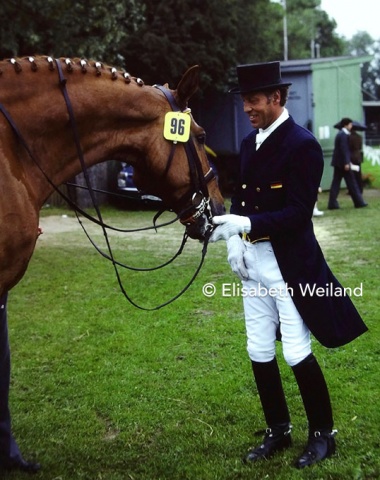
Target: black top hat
258	77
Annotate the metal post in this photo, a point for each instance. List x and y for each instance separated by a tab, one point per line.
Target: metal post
285	27
285	32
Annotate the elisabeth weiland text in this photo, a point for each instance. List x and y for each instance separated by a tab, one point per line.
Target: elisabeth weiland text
308	290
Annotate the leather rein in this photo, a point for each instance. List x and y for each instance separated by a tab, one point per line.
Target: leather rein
199	199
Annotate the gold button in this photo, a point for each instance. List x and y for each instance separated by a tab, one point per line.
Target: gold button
258	189
256	207
244	186
243	204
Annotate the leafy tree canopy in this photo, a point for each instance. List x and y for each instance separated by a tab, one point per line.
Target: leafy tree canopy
158	41
363	44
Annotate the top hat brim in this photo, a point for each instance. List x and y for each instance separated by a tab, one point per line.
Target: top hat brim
240	90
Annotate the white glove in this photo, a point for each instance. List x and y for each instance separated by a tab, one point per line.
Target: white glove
235	251
229	225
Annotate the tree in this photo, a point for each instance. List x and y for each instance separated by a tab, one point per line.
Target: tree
310	32
363	44
158	41
90	28
215	34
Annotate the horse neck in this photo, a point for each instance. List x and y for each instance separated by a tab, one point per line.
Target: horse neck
112	115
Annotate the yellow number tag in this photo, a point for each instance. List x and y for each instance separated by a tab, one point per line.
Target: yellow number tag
177	126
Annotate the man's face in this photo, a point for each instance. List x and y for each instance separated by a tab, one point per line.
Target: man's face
262	109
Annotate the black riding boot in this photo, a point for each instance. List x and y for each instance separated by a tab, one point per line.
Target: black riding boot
316	400
269	386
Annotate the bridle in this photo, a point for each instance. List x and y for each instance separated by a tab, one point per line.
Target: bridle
200	201
198	197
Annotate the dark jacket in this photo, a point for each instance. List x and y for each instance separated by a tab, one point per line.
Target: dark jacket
355	142
278	189
341	154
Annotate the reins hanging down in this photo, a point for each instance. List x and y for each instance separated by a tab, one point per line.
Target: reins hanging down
97	209
192	211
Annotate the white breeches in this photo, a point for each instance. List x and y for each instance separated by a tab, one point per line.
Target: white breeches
268	304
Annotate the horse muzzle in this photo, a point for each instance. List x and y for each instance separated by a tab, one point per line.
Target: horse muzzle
199	222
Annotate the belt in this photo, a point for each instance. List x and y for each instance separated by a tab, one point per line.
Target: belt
248	239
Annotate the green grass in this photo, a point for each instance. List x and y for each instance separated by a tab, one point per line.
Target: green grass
373	170
102	390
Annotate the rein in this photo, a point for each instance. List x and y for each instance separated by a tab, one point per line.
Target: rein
67	199
197	177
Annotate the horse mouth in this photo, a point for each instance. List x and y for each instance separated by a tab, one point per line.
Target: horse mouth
201	226
200	229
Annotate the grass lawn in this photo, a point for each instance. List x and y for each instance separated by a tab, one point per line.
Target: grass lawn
373	171
103	390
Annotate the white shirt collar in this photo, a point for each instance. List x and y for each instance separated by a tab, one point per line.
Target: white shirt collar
346	131
263	134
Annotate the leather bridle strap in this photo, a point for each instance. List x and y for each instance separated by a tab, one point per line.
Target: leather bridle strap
110	256
198	178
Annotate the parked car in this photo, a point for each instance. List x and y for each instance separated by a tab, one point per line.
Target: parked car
126	186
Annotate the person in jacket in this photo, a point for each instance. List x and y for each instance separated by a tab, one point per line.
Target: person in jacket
289	289
341	161
10	455
355	142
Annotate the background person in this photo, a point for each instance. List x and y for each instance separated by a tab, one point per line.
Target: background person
281	166
316	211
355	142
341	161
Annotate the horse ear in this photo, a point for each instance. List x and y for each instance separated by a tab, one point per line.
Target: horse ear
188	85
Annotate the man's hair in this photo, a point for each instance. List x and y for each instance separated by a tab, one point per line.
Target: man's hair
345	121
284	92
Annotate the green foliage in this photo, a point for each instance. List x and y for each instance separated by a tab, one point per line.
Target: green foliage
363	44
158	41
175	34
102	390
91	28
310	31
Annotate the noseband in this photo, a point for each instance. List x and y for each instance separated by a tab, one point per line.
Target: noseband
198	196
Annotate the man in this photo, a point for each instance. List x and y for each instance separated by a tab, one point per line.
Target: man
341	161
272	248
10	455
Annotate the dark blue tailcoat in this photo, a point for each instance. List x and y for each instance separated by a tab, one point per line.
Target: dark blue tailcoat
278	189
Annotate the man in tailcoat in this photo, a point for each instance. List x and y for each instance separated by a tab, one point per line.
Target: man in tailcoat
288	286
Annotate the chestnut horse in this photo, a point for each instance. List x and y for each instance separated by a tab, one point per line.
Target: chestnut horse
47	103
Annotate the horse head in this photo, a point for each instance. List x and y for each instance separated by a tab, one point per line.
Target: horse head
60	116
184	179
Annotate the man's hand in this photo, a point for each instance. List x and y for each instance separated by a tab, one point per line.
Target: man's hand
235	251
229	225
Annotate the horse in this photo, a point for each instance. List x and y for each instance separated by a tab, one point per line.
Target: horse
59	116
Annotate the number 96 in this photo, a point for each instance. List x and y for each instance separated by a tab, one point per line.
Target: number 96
177	126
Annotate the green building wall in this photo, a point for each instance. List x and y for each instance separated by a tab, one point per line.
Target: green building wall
336	94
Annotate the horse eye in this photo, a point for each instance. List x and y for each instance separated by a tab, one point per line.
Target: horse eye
201	139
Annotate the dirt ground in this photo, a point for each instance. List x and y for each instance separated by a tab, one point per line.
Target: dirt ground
56	226
59	230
